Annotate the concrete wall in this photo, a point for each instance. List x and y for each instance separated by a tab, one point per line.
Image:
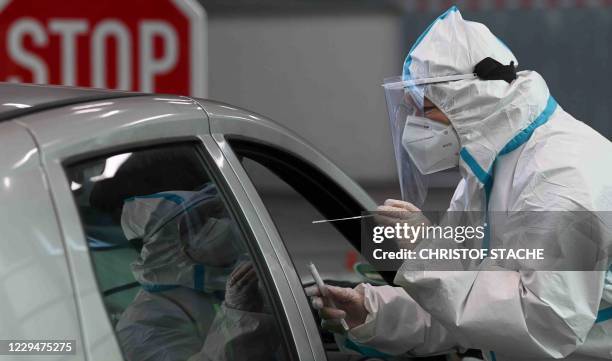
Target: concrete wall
318	75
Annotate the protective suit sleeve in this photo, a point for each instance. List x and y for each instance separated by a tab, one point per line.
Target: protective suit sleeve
396	325
240	336
537	313
155	328
514	310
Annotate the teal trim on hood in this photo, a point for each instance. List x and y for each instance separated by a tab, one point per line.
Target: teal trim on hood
483	176
486	178
408	61
167	196
198	277
604	315
523	136
158	288
364	350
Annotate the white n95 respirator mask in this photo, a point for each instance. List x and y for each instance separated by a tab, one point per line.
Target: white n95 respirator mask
431	145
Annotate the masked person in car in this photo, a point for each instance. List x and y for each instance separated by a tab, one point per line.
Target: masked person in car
200	297
460	102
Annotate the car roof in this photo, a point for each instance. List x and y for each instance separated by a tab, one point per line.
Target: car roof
17	100
21	99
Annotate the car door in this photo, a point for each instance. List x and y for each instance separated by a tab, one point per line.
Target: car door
87	145
272	162
295	194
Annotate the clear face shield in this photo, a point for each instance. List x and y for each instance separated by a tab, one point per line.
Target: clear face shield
422	146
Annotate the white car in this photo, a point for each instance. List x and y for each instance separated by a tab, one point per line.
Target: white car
69	159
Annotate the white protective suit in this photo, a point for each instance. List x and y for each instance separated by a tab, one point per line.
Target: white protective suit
180	313
520	151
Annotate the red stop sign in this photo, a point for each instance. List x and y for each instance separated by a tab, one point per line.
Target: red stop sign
140	45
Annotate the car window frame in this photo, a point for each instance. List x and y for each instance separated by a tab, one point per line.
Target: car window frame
65	135
237	216
288	167
254	248
303	311
226	143
274	158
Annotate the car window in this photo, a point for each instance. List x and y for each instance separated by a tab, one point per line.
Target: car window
306	241
176	274
295	194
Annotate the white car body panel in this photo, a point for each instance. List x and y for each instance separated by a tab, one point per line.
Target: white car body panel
53	125
87	130
36	297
